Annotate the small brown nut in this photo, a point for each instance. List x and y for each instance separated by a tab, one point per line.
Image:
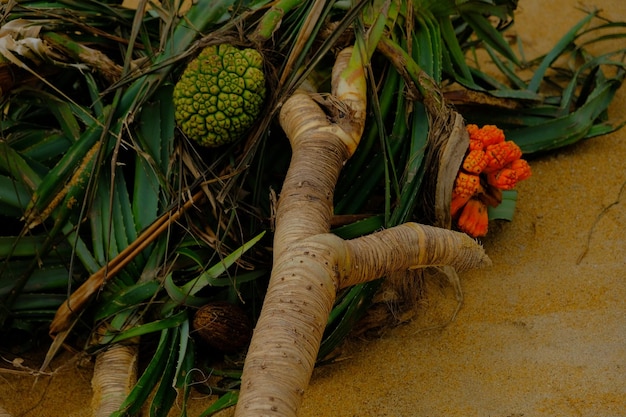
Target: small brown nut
223	326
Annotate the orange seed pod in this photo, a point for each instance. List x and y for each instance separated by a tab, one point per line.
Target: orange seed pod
521	167
476	145
488	134
474	219
504	179
475	161
465	186
501	154
472	129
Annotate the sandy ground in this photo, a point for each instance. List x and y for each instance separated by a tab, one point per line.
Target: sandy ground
541	333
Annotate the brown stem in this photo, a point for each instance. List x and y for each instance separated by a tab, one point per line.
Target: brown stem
407	246
315	165
301	294
310	264
287	337
279	363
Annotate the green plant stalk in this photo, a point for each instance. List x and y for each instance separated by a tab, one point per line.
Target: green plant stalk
14	164
272	19
414	75
10	298
52	186
13	197
353	182
91	57
70	194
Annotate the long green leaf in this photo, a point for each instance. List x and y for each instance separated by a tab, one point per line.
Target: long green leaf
13	195
165	394
52	184
42	303
155	326
568	129
453	51
42	145
63	112
428	52
127	299
342	321
156	140
488	34
349	192
413	171
148	379
564	43
16	166
507	70
209	276
46	279
227	400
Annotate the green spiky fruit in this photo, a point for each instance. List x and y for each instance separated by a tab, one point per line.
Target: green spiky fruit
220	94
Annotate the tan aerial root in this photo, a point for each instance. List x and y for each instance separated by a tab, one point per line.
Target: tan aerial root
310	264
114	375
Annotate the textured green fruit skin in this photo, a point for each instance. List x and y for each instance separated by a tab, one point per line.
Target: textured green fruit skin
220	94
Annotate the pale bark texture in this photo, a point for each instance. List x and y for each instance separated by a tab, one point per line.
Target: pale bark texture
114	375
310	264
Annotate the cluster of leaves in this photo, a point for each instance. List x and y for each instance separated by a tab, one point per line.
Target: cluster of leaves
91	160
93	179
564	100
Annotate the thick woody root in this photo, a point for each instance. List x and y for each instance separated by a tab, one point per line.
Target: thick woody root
302	291
276	373
311	265
284	347
114	375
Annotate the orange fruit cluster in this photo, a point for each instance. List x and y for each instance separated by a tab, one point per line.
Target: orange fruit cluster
491	165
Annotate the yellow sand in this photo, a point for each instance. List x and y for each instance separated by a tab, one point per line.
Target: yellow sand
539	334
